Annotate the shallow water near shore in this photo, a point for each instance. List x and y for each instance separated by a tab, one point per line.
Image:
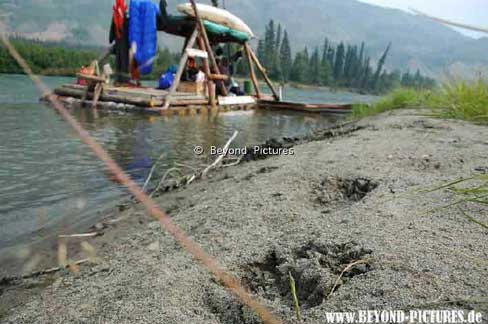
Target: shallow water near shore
50	181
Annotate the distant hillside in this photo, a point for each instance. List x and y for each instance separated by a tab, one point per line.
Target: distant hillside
417	42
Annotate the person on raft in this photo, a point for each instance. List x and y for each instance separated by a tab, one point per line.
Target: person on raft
227	67
191	72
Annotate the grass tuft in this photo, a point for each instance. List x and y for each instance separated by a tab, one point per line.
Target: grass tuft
470	190
456	100
293	288
398	99
462	100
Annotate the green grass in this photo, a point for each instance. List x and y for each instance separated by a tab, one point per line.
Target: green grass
462	100
400	98
458	100
293	288
472	191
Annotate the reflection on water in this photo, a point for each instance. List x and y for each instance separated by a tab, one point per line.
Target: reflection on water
316	95
48	178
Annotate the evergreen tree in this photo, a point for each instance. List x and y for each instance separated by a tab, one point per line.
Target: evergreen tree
298	70
325	68
325	73
417	83
350	65
306	56
339	63
365	82
325	51
215	3
379	69
345	65
359	67
278	42
261	51
331	57
276	70
269	42
406	79
306	63
286	60
395	79
314	70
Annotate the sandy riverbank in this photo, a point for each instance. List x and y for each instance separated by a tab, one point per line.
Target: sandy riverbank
336	201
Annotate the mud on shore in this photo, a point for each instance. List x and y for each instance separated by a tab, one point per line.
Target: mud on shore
344	197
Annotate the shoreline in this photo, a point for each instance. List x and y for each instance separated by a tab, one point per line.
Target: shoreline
340	198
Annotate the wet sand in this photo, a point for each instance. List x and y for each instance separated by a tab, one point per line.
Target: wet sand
342	197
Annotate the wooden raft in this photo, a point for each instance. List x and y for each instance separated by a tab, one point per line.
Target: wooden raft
147	100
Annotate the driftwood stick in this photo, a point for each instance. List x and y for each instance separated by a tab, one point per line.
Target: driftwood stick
163	179
92	234
191	179
219	159
56	269
8	280
236	162
151	172
346	269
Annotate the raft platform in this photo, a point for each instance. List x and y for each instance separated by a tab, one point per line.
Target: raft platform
151	101
147	100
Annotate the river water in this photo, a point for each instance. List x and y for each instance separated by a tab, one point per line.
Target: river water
50	180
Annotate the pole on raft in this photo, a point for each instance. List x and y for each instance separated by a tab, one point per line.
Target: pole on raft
206	68
252	73
203	33
181	67
263	73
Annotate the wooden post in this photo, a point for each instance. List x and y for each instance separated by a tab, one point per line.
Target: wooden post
203	33
263	73
185	44
106	53
201	45
206	68
211	94
181	68
96	95
251	70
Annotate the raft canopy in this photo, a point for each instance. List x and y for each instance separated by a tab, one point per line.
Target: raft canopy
221	25
218	16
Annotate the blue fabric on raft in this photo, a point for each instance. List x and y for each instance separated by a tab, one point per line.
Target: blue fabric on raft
143	33
166	81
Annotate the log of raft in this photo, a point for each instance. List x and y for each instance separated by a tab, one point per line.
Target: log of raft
304	107
141	102
133	96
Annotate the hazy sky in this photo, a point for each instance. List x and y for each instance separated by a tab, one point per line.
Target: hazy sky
471	12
